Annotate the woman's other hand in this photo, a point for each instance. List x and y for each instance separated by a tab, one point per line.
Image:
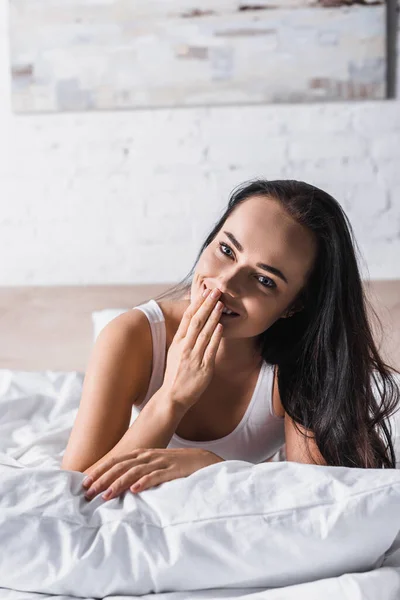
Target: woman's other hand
145	468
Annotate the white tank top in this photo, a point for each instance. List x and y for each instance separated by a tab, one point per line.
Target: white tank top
260	433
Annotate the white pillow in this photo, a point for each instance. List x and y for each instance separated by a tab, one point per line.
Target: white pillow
229	525
100	318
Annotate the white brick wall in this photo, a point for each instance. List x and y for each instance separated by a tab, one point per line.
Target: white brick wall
115	197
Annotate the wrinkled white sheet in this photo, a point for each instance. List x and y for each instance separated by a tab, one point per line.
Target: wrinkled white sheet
36	415
380	584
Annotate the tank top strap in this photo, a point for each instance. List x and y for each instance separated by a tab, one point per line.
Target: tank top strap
156	319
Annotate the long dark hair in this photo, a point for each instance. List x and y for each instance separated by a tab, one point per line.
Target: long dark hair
331	378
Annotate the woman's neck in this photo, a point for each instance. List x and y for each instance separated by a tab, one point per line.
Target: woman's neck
237	356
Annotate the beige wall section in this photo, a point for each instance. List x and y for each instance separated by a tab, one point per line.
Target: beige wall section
51	328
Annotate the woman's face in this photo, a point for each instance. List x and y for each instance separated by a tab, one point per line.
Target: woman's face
268	235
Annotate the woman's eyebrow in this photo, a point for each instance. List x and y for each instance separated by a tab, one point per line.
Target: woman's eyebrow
263	266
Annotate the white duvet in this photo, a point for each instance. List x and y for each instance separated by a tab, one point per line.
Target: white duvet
232	530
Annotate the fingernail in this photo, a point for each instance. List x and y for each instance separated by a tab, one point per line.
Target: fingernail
215	293
90	494
87	482
107	494
206	292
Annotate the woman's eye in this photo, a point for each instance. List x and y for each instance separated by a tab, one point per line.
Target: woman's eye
222	245
269	282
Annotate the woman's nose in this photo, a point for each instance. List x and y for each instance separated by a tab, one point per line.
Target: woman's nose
228	288
228	282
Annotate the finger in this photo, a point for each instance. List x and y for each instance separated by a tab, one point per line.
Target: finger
104	467
152	479
188	314
211	350
205	334
123	464
127	480
136	467
107	479
199	320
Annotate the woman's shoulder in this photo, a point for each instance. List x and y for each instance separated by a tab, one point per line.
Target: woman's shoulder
134	327
134	324
128	337
119	360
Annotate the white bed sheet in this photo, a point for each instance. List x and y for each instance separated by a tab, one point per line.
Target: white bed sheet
380	584
37	410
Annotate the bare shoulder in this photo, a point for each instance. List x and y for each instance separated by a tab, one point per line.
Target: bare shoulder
123	350
133	328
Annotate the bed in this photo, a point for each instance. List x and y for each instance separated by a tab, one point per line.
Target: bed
232	530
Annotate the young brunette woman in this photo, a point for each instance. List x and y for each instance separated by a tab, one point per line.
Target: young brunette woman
293	364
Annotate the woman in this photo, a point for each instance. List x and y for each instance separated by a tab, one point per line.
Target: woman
296	364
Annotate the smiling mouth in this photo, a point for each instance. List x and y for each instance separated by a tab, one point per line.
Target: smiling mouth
226	316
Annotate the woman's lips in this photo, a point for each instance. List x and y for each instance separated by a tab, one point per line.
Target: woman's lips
225	317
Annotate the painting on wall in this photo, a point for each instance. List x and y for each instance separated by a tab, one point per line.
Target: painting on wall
80	55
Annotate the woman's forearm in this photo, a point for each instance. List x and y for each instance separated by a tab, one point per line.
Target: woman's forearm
155	424
152	428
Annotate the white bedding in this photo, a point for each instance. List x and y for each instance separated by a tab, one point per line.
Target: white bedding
36	415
